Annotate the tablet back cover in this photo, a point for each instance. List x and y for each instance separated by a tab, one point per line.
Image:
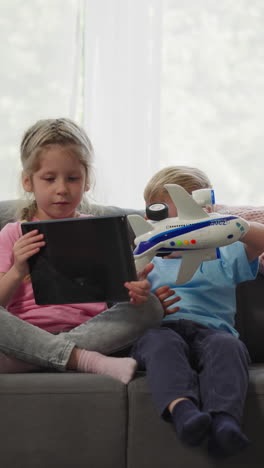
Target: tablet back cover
86	259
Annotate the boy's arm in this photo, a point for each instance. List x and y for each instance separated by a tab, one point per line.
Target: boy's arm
254	240
250	213
163	294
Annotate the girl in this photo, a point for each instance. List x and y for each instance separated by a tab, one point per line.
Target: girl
56	158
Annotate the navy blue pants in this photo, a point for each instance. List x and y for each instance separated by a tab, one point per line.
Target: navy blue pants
186	359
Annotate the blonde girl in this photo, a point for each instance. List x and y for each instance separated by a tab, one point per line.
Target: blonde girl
56	157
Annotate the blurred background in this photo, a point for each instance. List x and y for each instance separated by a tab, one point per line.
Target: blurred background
153	82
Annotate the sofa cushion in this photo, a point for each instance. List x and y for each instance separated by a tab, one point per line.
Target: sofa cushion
62	420
152	442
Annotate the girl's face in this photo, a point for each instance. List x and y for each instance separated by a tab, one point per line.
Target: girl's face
58	183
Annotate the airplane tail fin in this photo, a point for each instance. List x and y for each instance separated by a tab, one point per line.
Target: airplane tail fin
186	206
139	225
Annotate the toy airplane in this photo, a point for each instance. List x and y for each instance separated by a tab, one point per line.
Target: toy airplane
194	233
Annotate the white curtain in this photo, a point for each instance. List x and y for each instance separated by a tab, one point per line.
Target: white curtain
38	45
173	82
212	104
154	82
122	95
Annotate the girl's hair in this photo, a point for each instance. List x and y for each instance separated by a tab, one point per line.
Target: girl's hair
47	132
190	178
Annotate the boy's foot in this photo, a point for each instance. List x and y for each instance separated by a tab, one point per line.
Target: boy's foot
191	425
226	438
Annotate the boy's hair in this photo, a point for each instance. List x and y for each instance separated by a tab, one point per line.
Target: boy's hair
190	178
47	132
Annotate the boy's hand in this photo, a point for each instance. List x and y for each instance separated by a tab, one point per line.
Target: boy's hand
162	294
140	290
24	248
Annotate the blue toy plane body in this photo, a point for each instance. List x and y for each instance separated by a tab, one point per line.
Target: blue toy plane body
194	234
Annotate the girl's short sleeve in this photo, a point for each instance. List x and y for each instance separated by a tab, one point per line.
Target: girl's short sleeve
8	236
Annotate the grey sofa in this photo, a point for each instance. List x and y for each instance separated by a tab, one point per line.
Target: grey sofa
74	420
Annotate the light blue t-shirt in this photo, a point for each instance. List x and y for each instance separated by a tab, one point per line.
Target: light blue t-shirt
210	296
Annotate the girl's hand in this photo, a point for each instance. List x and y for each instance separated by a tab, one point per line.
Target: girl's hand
24	248
162	294
140	290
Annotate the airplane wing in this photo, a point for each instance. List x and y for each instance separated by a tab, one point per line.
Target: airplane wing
142	259
139	224
191	261
187	208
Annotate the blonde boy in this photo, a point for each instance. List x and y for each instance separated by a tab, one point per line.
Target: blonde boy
196	366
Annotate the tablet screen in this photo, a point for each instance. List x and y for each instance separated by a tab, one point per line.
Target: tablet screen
86	259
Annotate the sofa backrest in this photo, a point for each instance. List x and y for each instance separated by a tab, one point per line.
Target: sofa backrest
7	212
250	316
8	209
250	310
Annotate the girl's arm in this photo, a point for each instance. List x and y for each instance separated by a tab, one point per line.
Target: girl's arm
140	290
23	249
9	282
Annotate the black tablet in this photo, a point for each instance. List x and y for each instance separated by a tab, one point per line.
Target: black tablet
86	259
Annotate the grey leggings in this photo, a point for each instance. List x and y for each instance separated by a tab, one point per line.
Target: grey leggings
108	332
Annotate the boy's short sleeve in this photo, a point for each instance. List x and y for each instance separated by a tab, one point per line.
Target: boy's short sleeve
235	263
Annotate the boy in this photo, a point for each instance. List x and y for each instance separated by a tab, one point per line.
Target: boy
196	366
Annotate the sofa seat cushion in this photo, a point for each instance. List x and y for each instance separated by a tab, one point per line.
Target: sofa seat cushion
160	446
62	420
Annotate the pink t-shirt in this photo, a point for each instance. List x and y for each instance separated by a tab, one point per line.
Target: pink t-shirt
53	318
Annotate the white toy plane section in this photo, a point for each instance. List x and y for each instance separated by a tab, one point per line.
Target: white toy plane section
194	233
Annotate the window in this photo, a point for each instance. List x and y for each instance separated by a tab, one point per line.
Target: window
38	60
154	82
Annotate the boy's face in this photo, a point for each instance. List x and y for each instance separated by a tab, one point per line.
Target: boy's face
173	212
